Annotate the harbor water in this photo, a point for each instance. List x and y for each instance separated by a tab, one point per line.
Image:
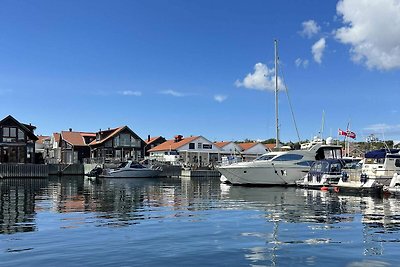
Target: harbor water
72	221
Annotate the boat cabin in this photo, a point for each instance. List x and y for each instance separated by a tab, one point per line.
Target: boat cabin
329	170
381	163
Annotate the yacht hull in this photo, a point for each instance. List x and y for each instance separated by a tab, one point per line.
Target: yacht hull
141	173
261	175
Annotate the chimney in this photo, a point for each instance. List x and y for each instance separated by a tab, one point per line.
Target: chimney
70	129
178	138
148	138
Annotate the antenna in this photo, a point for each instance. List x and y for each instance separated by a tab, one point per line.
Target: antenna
322	124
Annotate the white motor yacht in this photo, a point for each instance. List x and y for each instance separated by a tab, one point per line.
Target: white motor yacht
131	169
278	168
381	165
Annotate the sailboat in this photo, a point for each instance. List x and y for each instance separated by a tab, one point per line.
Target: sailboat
279	167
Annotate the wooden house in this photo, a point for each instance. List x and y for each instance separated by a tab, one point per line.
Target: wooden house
17	141
152	142
75	146
119	143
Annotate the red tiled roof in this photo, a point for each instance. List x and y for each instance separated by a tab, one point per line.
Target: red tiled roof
114	132
57	137
42	138
172	145
152	139
221	144
246	146
270	146
85	134
74	138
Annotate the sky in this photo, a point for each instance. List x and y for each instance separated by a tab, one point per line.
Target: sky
202	67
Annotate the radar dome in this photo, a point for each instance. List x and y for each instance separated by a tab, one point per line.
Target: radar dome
329	141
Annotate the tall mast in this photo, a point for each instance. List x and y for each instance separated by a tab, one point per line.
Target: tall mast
276	94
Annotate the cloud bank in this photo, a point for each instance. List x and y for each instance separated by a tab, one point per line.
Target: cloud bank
130	93
220	98
318	49
372	29
310	28
172	93
262	78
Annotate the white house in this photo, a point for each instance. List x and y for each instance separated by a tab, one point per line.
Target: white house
192	151
252	150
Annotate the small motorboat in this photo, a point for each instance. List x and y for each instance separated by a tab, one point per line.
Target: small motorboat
323	173
132	169
363	185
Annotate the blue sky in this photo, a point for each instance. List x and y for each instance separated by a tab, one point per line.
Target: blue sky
201	67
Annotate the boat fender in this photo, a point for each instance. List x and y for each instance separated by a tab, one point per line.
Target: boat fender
336	189
345	176
324	188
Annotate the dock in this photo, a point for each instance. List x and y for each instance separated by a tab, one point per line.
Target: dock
200	173
24	170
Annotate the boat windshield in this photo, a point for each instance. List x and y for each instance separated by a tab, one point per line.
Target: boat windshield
266	157
122	165
137	166
288	157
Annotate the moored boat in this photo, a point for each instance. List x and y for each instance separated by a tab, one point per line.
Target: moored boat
323	173
394	186
131	169
381	165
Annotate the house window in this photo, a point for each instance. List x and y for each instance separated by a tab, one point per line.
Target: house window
9	134
21	135
207	146
191	145
125	140
199	145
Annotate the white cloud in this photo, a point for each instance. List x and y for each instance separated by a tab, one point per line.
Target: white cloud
301	62
383	128
262	78
130	93
172	93
310	28
318	49
372	29
220	98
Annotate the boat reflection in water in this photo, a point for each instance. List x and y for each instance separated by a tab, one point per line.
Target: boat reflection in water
198	221
318	218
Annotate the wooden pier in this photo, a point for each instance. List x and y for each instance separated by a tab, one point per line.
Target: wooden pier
24	170
200	173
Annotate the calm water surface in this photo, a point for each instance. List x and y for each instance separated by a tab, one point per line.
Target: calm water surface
71	221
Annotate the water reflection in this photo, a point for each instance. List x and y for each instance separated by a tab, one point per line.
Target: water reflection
17	204
263	225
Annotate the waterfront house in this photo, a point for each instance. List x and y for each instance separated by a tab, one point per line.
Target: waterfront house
251	150
152	142
119	143
17	141
74	146
229	148
54	149
42	148
191	151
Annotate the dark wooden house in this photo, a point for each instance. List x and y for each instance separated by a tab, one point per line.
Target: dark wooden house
17	141
75	146
119	143
153	142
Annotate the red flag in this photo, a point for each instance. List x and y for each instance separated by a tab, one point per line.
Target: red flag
351	134
341	132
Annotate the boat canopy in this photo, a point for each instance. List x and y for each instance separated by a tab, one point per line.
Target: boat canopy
382	153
